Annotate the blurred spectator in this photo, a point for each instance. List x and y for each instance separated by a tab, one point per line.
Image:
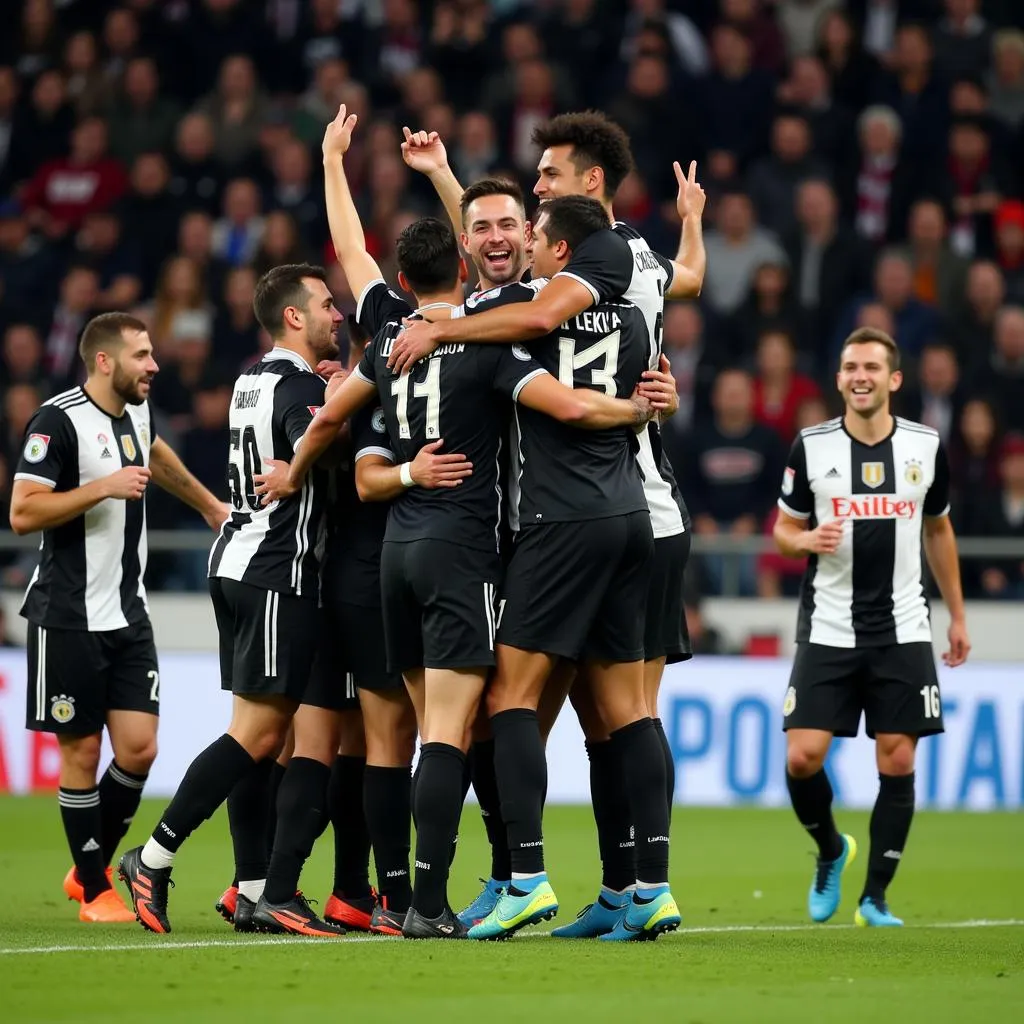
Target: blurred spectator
474	154
87	85
102	244
236	110
141	119
1002	375
185	360
150	215
298	193
849	66
29	269
39	40
319	103
705	639
808	92
121	42
195	241
19	406
533	101
1003	516
1009	229
688	45
280	243
757	23
458	41
693	366
799	21
779	390
963	39
197	178
9	116
974	330
396	47
770	306
235	330
180	288
1006	80
218	29
940	275
42	133
581	35
23	357
75	304
237	235
934	399
974	464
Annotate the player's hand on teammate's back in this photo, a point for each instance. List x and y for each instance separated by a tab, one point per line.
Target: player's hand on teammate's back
273	486
431	469
424	151
959	644
338	136
691	197
660	387
416	342
129	483
327	368
337	379
825	539
645	407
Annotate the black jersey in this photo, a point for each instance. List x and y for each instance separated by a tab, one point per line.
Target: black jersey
459	395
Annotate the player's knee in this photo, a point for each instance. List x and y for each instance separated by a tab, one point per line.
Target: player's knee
896	757
82	754
138	755
803	762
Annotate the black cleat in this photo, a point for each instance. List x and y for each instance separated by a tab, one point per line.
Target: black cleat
147	888
447	926
295	917
245	910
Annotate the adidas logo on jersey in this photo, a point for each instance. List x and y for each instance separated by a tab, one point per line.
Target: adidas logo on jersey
832	474
105	454
876	507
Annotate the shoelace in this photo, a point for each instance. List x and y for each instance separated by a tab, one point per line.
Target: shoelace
158	887
822	873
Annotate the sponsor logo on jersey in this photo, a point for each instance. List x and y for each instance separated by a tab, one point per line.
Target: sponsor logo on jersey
873	473
377	420
789	704
913	473
128	446
879	506
62	708
36	447
521	352
787	480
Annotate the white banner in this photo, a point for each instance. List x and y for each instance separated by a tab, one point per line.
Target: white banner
722	717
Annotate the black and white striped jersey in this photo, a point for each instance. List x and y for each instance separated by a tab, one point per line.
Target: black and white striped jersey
274	547
90	569
870	592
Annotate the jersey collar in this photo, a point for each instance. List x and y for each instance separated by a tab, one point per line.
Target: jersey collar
278	352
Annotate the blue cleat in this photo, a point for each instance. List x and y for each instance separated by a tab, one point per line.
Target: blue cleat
511	912
823	898
873	913
640	922
595	919
484	903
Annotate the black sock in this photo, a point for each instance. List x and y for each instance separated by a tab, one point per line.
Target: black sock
670	766
277	771
485	785
643	765
386	795
351	836
610	800
412	793
438	808
890	826
812	802
522	771
120	793
248	806
206	785
301	813
83	826
467	778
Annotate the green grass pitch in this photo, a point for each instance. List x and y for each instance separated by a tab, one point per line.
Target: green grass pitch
746	952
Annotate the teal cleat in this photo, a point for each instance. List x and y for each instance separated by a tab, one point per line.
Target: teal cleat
511	912
873	913
484	903
595	919
823	898
641	922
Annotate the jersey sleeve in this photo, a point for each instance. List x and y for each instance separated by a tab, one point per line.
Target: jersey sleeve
936	501
517	291
370	434
603	263
668	271
51	446
796	499
379	305
296	400
514	368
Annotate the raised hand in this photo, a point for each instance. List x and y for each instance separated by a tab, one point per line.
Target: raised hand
338	136
691	197
424	151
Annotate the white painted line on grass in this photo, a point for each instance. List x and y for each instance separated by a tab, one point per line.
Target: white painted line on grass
297	940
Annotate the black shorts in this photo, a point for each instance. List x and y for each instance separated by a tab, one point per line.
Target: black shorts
439	602
267	640
665	632
579	590
76	677
895	686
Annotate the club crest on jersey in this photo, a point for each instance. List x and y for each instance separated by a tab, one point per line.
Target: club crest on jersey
102	438
913	473
377	421
789	704
128	446
36	447
62	708
522	353
787	480
873	473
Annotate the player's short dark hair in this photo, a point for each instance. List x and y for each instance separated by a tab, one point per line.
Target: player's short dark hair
279	288
596	142
428	255
572	219
491	187
872	335
105	333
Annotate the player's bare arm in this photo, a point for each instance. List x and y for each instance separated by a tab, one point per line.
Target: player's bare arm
944	562
169	472
581	407
36	506
346	230
795	540
424	152
691	259
378	479
285	479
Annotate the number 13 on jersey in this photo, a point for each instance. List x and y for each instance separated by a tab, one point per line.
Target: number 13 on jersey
602	376
430	389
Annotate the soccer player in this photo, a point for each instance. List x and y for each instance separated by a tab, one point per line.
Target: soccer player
440	566
856	495
264	570
89	455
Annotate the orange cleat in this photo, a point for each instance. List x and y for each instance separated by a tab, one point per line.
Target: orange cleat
225	906
351	914
73	887
107	908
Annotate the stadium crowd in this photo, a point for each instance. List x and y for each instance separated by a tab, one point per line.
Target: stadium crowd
864	163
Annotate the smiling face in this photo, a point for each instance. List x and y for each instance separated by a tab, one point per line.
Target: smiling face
322	319
548	257
865	378
495	237
557	176
133	367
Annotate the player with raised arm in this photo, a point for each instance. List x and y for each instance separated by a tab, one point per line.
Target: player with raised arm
856	495
89	455
264	582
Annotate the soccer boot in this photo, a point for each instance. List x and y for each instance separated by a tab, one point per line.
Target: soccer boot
447	926
511	912
148	890
295	917
825	893
595	919
641	921
352	914
245	910
483	904
875	913
107	908
73	887
225	906
386	921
